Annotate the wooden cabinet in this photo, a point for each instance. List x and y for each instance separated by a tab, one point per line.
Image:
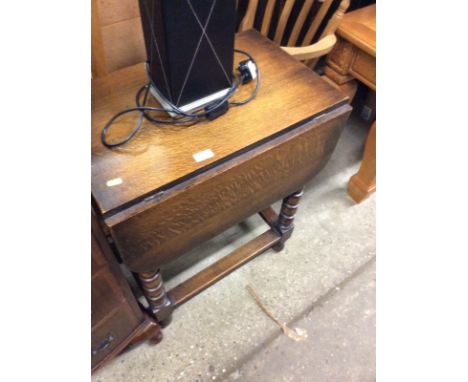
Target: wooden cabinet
354	58
363	68
116	318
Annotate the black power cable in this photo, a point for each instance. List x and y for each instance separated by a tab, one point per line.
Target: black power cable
184	117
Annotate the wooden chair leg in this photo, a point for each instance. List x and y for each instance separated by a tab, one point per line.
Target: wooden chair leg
286	217
153	288
363	183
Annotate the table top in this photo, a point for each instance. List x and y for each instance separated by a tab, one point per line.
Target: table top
358	27
159	156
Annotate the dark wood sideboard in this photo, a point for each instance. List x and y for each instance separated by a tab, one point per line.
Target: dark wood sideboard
117	320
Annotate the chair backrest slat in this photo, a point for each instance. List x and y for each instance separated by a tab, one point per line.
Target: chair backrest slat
300	22
335	20
117	37
317	21
249	17
266	22
283	20
295	31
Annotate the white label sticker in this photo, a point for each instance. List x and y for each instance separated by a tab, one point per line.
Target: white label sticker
253	69
203	155
114	182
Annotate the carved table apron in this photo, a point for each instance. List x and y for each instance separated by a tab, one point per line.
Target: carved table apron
264	152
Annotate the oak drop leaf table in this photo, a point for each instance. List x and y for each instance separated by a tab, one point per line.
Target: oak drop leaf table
173	187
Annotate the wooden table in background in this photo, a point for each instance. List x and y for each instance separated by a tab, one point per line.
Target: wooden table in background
156	198
354	58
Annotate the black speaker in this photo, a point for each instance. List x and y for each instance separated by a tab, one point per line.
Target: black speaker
190	49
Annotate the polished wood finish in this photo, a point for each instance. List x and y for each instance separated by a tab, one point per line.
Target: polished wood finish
354	58
363	183
155	293
286	217
148	233
166	202
318	20
150	331
288	211
280	28
307	51
339	62
355	52
98	61
299	24
159	155
116	318
269	216
359	27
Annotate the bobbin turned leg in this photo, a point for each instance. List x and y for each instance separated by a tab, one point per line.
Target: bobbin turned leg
286	217
159	302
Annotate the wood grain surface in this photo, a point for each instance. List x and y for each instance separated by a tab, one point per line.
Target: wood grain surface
363	183
160	157
354	58
159	229
116	317
359	28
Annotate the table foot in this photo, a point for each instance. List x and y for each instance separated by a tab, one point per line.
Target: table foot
286	217
363	183
150	331
160	305
156	338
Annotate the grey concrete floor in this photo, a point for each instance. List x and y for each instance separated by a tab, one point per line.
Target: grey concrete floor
341	339
323	281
